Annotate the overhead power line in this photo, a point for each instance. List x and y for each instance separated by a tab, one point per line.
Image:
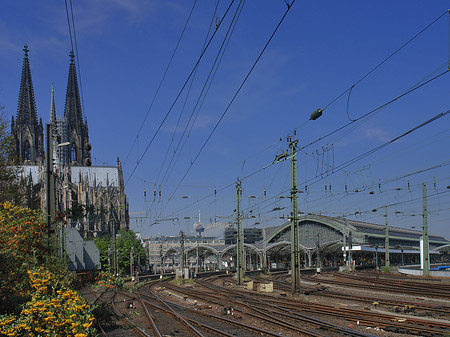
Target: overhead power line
161	81
230	103
70	17
178	95
385	60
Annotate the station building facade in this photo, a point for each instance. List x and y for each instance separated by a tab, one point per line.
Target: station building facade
324	241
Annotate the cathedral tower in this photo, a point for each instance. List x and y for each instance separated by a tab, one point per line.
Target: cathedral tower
28	134
76	129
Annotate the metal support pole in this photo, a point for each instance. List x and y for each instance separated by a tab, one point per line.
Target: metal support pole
182	255
138	266
376	256
264	251
295	257
131	261
426	256
115	264
318	251
50	193
344	245
109	258
350	246
386	239
196	266
240	236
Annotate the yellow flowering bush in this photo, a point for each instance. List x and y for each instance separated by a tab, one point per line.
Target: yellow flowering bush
22	235
105	279
52	311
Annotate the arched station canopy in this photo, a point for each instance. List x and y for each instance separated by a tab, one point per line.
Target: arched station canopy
202	249
312	228
231	249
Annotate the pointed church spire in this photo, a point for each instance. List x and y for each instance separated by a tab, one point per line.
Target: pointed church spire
26	109
27	133
52	109
72	110
76	130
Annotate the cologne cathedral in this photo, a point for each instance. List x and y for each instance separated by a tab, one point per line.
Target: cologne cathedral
92	197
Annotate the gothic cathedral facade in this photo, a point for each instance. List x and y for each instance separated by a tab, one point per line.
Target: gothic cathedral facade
94	196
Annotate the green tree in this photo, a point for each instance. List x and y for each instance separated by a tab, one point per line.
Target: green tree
124	241
102	243
9	181
14	188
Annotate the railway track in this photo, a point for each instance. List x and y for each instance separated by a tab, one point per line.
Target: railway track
211	324
158	314
386	321
384	285
304	324
391	304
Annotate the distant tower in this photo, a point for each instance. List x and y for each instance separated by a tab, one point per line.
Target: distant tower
59	132
27	133
76	130
198	226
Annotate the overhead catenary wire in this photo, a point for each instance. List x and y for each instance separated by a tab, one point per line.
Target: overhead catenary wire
367	153
231	102
161	81
386	59
407	92
73	37
231	26
212	22
178	95
410	90
78	60
211	74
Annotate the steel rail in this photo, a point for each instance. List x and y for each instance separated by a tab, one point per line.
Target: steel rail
192	320
420	327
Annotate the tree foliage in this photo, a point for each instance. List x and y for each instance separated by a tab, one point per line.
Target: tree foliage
124	241
14	188
22	245
36	290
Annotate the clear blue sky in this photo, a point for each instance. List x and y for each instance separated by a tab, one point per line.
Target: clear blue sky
320	50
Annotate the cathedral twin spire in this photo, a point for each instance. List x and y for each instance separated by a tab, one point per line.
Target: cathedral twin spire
28	133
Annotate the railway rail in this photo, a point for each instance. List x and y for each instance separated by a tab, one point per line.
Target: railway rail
368	318
385	285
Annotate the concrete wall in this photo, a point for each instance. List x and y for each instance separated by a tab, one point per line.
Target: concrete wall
82	255
415	270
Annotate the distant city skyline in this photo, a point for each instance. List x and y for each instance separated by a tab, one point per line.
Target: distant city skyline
320	51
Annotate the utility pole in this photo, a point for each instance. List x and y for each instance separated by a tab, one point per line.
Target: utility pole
115	266
426	256
196	266
318	251
386	239
161	260
264	251
350	246
295	255
131	261
50	192
344	240
376	256
109	257
182	256
138	266
240	239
